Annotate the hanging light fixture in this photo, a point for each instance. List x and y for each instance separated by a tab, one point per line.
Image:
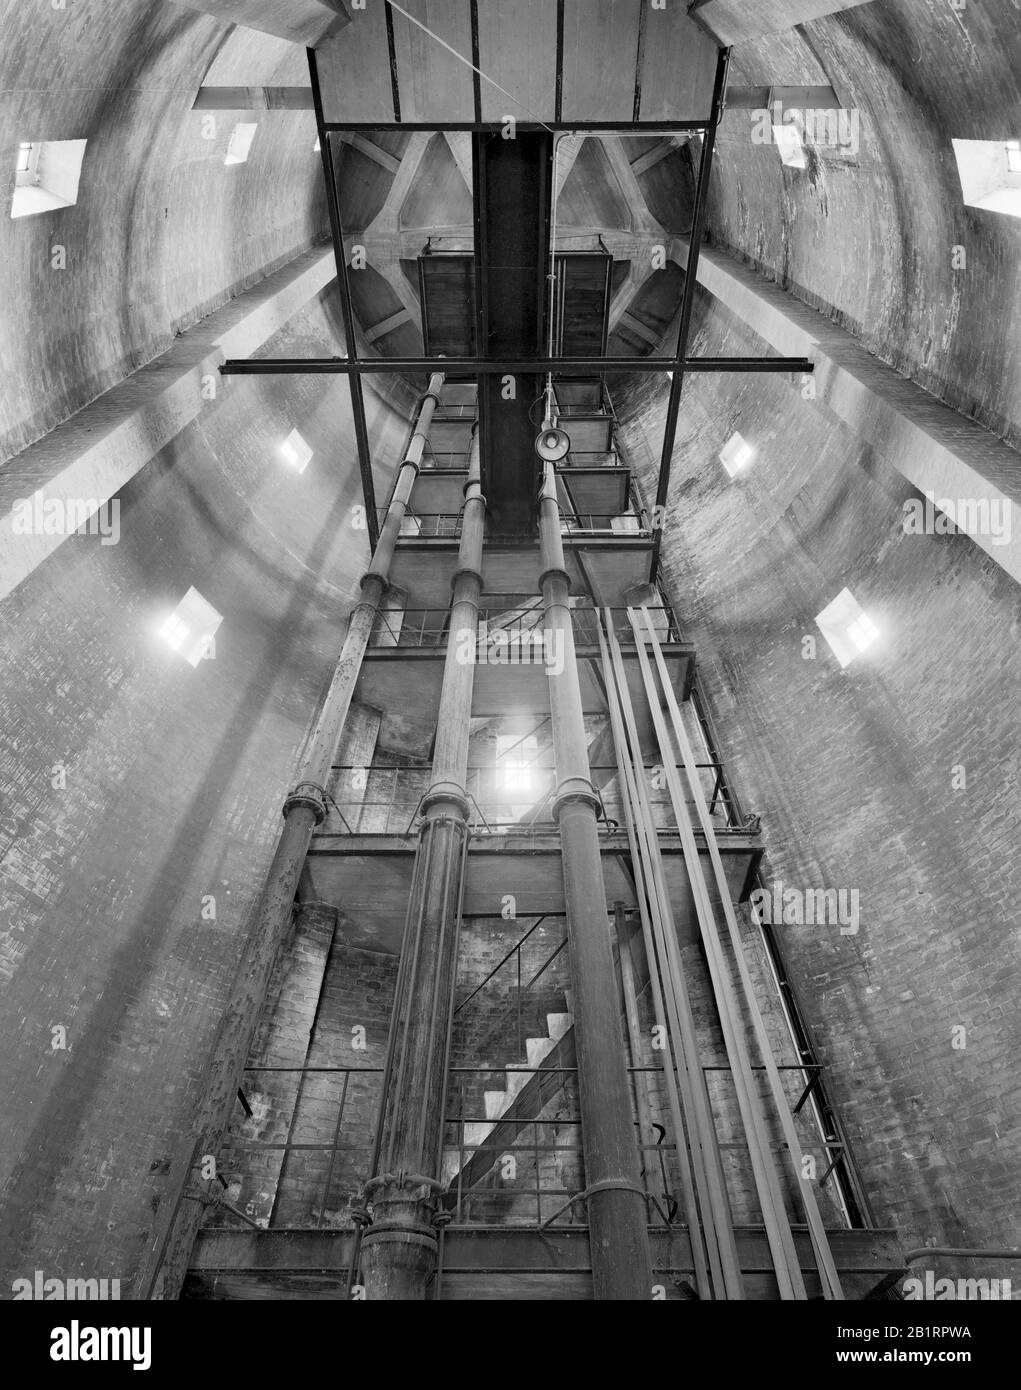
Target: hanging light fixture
552	443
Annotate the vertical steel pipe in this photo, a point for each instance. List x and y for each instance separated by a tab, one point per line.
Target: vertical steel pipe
165	1265
619	1239
399	1248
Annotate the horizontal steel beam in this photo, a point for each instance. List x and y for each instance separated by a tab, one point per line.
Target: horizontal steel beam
474	366
466	1249
497	127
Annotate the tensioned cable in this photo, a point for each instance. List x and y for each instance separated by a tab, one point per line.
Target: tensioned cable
468	63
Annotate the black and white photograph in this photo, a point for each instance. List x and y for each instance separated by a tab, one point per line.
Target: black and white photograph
510	674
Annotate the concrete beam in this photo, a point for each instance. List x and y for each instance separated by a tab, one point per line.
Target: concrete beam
568	148
371	150
642	219
253	99
790	99
666	147
737	21
300	21
381	329
459	142
936	449
387	220
85	461
628	320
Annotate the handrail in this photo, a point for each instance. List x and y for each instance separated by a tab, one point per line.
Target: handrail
409	627
516	947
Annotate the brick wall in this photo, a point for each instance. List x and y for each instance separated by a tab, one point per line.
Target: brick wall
133	788
323	993
852	772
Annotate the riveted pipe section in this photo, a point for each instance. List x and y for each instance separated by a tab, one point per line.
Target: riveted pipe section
618	1232
398	1250
164	1268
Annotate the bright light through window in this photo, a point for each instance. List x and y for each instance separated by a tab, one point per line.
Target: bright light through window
240	142
515	756
788	142
863	632
736	454
296	452
191	627
848	629
47	176
990	173
174	632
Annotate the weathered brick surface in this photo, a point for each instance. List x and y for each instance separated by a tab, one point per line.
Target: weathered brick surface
852	773
174	781
324	992
867	236
162	232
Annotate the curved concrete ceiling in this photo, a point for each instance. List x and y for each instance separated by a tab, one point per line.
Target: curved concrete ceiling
176	784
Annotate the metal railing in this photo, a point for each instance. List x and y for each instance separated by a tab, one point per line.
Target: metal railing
504	800
427	525
509	977
447	525
272	1182
628	523
428	627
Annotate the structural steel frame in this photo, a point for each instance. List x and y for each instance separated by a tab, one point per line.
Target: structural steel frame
354	367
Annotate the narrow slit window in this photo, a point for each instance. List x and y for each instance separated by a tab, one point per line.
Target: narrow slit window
191	627
736	455
240	142
848	629
990	174
47	176
296	452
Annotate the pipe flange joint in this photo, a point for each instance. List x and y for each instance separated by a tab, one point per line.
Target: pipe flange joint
370	577
310	795
467	573
556	573
448	793
392	1233
575	789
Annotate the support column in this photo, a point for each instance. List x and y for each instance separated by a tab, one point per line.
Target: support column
301	21
305	808
619	1242
398	1252
738	21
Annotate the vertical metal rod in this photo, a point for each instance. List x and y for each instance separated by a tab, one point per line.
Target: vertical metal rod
698	217
824	1257
639	1079
781	1242
661	947
346	305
